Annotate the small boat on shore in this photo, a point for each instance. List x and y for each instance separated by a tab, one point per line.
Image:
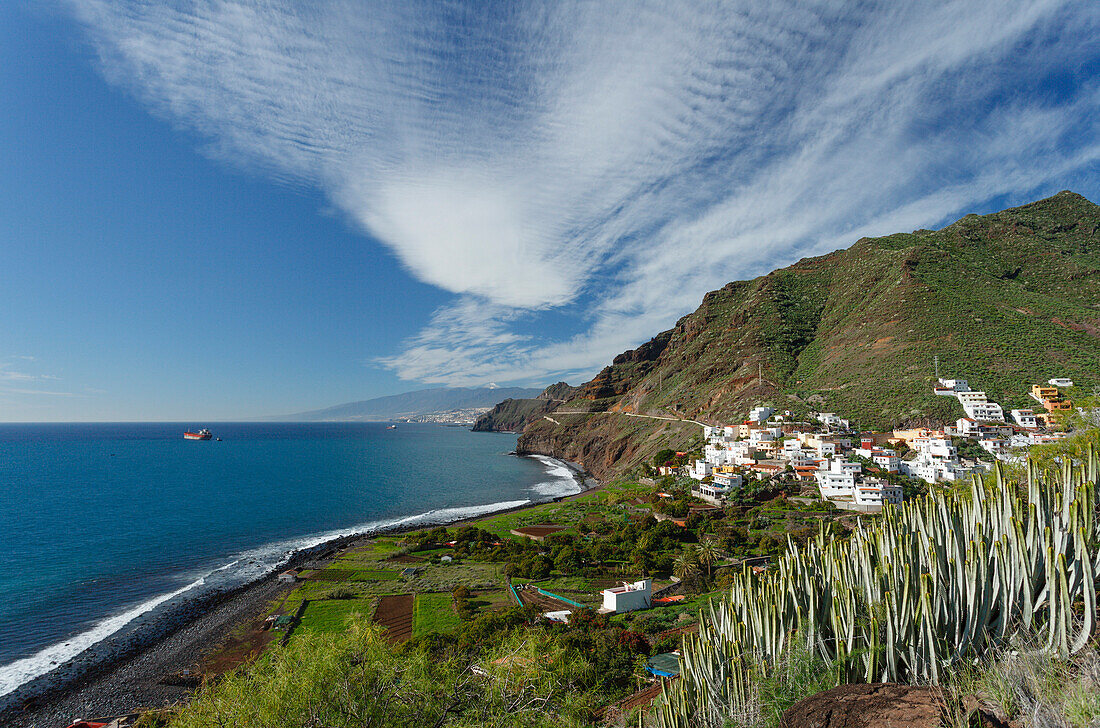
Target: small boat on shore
203	434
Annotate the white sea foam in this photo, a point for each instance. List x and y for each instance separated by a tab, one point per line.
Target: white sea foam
248	566
16	673
564	482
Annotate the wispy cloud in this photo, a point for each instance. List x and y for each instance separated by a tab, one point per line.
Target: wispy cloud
13	381
617	159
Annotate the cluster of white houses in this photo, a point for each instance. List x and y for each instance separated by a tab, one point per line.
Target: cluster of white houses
819	452
768	443
985	421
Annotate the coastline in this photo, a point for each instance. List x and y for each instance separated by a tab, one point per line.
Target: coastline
123	673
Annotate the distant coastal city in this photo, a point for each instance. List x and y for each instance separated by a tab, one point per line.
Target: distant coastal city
466	417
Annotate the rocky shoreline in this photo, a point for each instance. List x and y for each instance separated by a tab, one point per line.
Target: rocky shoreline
134	681
124	674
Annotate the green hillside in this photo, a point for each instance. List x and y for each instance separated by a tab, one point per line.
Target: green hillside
1003	300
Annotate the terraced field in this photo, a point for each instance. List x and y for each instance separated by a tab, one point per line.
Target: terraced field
395	613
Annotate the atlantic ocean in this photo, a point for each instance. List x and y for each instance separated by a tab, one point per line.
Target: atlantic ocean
103	526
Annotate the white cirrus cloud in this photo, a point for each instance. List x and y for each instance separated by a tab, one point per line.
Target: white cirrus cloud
18	382
616	159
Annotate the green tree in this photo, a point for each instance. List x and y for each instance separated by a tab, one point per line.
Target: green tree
686	566
708	553
662	457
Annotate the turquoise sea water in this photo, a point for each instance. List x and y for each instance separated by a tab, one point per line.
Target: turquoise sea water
100	522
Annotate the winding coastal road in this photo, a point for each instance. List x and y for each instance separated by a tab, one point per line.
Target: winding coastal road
626	414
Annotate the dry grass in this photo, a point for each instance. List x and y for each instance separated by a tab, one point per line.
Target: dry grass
1031	688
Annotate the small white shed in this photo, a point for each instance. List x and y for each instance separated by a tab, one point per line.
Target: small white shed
628	597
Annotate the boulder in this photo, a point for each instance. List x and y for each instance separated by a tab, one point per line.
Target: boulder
878	705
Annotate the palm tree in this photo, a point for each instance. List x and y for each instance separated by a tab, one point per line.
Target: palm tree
685	566
708	553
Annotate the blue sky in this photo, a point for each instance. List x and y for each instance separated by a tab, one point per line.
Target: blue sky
231	209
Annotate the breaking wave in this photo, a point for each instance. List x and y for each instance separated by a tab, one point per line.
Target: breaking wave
564	478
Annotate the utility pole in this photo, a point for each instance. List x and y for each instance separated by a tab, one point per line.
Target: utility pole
936	361
759	374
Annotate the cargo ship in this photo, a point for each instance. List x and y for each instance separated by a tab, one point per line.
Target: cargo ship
202	434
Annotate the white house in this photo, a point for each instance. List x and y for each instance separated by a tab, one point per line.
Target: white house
876	492
742	453
796	454
718	454
1036	438
936	460
996	447
967	427
801	458
1060	382
830	419
700	470
985	411
976	405
627	598
764	438
937	447
727	480
886	459
719	489
761	413
929	469
1026	418
844	480
838	479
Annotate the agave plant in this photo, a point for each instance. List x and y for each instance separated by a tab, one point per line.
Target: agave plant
938	579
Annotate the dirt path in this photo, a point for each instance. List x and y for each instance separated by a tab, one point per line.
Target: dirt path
625	414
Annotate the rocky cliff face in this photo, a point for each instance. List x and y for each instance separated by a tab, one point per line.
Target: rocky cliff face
560	392
605	443
1003	300
512	415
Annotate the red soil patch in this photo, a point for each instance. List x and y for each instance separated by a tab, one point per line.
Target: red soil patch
242	645
395	613
238	650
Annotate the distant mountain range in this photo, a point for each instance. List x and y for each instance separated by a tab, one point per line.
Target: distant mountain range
413	404
1003	300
